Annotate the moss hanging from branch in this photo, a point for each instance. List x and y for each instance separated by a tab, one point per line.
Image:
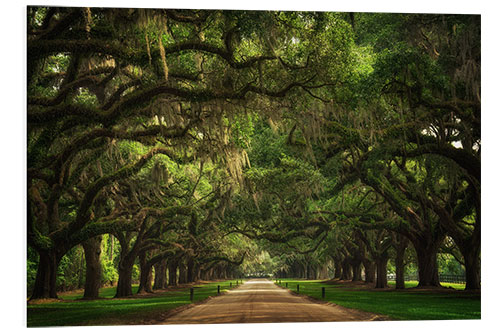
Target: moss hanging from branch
163	57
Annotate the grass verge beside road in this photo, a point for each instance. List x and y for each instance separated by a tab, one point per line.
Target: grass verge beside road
413	284
70	310
410	304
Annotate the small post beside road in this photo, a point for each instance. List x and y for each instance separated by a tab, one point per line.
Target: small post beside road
297	288
218	289
280	282
191	294
286	284
236	282
322	292
230	284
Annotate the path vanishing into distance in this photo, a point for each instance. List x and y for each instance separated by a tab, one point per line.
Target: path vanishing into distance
261	301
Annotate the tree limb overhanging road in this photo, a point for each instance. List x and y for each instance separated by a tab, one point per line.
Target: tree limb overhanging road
260	301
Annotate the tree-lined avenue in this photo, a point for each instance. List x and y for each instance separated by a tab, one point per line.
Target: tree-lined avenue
261	301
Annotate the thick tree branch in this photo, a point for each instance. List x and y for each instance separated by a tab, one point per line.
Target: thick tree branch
82	216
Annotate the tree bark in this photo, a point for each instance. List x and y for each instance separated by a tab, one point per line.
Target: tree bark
172	272
45	282
215	273
182	272
472	270
401	246
146	277
222	272
206	274
323	272
346	270
93	270
312	272
81	280
427	266
124	287
160	275
197	272
356	270
400	273
381	263
191	270
338	268
369	271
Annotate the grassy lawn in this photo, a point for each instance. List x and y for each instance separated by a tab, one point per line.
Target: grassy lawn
399	305
412	284
71	311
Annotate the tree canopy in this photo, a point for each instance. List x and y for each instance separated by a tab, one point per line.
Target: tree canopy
223	142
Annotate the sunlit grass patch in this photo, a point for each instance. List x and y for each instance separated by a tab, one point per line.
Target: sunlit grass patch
70	310
400	305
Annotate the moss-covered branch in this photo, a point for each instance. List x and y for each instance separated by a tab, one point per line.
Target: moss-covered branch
83	211
41	48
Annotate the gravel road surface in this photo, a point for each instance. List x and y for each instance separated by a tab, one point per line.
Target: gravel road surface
261	301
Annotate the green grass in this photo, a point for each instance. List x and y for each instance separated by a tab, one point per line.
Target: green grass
108	311
412	284
399	305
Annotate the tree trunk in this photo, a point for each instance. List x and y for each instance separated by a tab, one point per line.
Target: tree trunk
196	272
338	269
323	272
45	282
346	270
215	273
369	271
229	272
205	274
146	277
399	261
182	272
160	275
124	287
311	272
93	271
172	272
400	273
81	281
222	270
381	272
472	270
356	271
427	266
190	270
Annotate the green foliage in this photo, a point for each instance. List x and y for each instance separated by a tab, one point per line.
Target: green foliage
449	265
242	130
109	260
71	273
86	97
362	113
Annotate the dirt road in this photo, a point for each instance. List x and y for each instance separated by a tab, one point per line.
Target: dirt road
260	301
